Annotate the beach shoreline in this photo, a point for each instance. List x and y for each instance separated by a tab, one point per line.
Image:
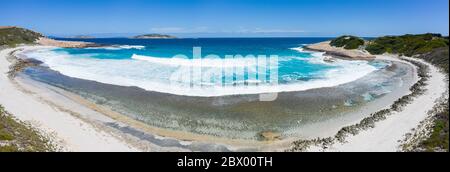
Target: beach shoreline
391	132
69	132
263	146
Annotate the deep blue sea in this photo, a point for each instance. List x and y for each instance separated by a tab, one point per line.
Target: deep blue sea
170	66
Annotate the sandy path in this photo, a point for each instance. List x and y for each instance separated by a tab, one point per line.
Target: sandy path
387	133
72	133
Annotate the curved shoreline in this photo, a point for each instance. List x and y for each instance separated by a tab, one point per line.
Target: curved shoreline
69	132
388	129
273	146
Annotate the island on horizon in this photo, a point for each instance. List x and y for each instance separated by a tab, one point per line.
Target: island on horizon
154	36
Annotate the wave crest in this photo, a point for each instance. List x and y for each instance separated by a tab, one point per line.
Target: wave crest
119	47
204	62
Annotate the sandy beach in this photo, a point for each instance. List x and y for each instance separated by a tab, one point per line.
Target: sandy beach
85	130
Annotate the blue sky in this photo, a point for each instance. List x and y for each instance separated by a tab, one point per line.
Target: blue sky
228	18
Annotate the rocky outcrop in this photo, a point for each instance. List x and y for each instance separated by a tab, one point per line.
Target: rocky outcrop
269	136
65	44
355	54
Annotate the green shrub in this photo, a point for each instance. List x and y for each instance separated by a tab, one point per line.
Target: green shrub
438	57
14	35
5	135
18	136
439	137
9	148
408	45
348	42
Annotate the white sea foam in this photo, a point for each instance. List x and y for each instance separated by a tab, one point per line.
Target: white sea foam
299	49
120	47
154	74
204	62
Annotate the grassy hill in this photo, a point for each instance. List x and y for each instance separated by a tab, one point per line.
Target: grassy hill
11	36
408	45
348	42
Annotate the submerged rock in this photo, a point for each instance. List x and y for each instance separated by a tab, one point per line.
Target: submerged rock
270	136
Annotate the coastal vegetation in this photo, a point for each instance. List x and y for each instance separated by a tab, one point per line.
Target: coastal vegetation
408	45
17	136
11	36
438	139
432	48
348	42
438	57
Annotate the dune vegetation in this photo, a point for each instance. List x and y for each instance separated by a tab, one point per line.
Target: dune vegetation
348	42
408	45
11	36
17	136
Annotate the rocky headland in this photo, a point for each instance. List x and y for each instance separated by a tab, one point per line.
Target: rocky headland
339	52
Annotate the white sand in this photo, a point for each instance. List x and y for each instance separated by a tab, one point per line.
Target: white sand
71	133
388	133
